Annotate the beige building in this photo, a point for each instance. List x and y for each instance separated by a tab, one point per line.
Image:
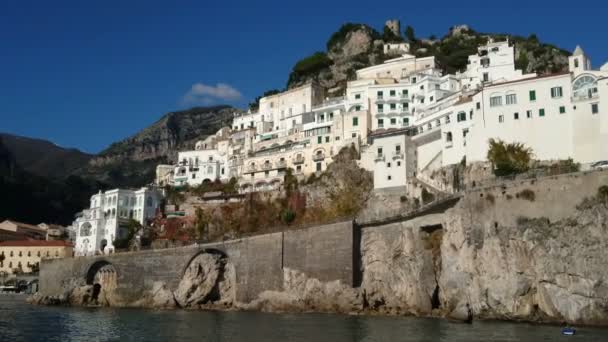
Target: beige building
26	254
30	230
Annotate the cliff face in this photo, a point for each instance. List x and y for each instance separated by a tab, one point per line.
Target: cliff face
132	161
356	46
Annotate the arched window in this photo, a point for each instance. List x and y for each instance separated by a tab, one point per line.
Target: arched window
10	264
113	213
85	229
20	254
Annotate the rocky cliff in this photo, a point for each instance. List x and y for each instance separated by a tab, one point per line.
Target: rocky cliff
529	250
132	161
356	46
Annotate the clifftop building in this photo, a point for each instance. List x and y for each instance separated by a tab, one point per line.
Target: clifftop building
408	118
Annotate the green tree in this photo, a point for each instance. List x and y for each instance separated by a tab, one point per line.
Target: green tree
409	33
174	196
508	158
132	227
290	182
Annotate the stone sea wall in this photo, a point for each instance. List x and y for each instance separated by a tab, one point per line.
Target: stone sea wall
530	250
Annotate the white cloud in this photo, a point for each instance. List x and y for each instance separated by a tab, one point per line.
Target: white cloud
204	94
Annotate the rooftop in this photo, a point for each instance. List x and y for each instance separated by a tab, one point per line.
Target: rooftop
529	79
35	243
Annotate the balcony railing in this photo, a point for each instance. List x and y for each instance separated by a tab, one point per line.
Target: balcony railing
281	164
299	160
252	168
397	154
379	157
267	166
318	156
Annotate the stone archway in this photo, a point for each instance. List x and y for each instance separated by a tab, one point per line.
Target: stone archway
103	279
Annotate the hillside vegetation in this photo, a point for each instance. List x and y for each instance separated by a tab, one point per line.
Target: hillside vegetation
356	46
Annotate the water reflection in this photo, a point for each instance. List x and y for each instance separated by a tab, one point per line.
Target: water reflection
22	322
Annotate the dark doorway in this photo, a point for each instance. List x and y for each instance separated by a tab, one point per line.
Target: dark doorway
96	291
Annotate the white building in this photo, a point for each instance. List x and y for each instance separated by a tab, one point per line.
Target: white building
108	215
435	119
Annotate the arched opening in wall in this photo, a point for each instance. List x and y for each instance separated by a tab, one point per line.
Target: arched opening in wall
103	245
206	181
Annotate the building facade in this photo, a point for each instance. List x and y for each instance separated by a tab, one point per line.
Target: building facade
108	216
437	120
23	256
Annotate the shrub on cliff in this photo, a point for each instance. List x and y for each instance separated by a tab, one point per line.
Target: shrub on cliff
508	158
308	66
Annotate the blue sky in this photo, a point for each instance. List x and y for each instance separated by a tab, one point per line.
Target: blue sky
86	73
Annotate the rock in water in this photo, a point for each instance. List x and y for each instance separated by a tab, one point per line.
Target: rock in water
199	280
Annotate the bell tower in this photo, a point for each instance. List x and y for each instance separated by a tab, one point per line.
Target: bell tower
578	62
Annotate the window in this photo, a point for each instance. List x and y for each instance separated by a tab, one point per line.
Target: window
594	108
405	105
398	163
405	92
319	140
393	121
380	95
299	168
20	254
413	79
478	105
357	96
431	99
388	165
501	118
447	119
11	253
380	108
556	92
406	121
511	99
327	139
495	101
532	95
392	93
319	166
379	151
462	116
337	138
389	177
393	106
529	114
398	148
266	173
541	112
516	116
471	114
486	77
448	137
380	123
576	62
354	135
355	121
29	254
357	108
193	175
38	254
562	109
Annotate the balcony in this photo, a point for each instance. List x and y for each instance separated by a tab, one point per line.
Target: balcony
266	166
281	164
299	160
318	157
252	168
379	157
397	155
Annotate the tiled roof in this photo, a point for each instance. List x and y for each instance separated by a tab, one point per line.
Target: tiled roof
35	243
25	225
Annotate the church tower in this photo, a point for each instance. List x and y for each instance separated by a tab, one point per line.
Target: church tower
578	62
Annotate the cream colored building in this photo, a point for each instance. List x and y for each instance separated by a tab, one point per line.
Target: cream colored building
25	254
30	230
